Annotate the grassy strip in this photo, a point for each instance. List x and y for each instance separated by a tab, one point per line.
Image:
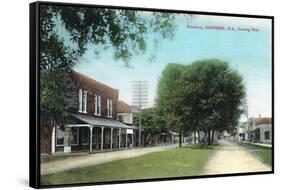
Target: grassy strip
52	158
185	161
262	153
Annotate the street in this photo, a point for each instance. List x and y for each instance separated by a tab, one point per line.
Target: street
232	158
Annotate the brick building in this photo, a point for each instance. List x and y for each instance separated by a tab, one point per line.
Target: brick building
93	124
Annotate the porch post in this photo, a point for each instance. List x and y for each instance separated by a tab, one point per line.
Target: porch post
67	146
101	145
53	148
97	138
111	131
91	137
133	139
126	139
119	139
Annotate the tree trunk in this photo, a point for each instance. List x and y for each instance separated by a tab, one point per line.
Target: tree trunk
209	136
213	132
199	141
46	127
144	139
147	138
194	134
180	138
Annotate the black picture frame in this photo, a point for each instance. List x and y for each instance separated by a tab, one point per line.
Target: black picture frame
34	93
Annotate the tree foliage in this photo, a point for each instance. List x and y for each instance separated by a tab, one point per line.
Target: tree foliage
52	102
126	31
66	32
55	101
206	95
152	121
170	97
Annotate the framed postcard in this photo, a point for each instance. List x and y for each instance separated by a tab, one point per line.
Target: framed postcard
125	94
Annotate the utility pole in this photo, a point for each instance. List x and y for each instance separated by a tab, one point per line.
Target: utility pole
245	107
140	100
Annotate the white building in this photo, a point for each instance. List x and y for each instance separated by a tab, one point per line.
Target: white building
124	113
242	132
262	130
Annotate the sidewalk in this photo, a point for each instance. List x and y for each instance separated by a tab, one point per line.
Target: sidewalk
95	159
259	144
231	158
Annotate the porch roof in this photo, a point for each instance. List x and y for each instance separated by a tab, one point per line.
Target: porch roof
96	121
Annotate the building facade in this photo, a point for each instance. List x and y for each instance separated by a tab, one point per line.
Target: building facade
93	123
124	113
242	131
257	130
261	130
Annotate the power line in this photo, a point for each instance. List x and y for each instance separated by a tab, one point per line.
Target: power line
140	99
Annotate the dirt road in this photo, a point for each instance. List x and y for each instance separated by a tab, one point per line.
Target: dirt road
232	158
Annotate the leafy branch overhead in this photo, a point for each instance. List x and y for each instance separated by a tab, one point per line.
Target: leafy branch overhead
126	31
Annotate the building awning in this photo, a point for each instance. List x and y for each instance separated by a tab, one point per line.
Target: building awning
173	133
102	122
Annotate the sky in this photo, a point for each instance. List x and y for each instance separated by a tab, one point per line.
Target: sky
247	49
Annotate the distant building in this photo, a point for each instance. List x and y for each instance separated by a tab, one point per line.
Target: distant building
261	130
258	130
242	131
227	135
124	113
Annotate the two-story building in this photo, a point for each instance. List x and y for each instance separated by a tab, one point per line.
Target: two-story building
125	115
261	130
92	124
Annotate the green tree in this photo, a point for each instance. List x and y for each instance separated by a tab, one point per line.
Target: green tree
66	32
203	96
126	31
55	101
52	102
217	94
153	124
170	98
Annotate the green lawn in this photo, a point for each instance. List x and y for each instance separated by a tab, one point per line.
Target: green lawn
185	161
262	153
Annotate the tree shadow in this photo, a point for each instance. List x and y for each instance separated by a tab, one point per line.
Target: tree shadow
203	146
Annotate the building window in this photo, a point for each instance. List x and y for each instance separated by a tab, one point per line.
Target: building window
80	99
266	135
120	118
83	101
74	136
109	107
97	105
85	136
59	137
84	104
